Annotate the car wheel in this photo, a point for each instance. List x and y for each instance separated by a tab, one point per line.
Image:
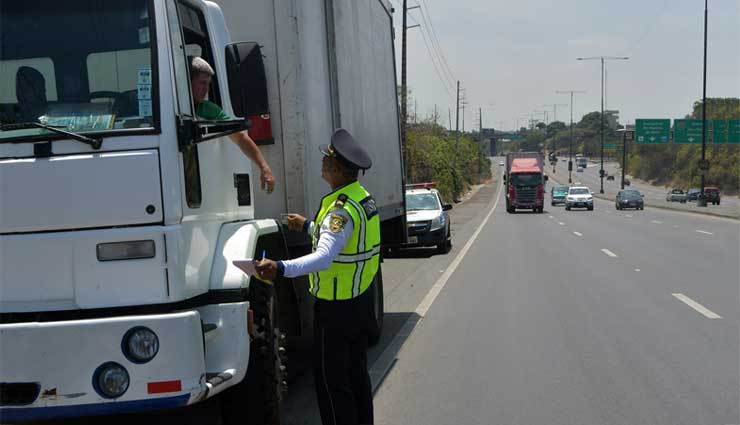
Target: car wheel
378	308
590	208
567	208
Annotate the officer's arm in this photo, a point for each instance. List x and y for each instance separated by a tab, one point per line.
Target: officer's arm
331	242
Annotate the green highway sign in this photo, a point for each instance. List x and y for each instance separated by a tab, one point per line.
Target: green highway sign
652	131
733	131
510	136
687	131
719	132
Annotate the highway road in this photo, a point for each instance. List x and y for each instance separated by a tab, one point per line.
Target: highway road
654	195
578	317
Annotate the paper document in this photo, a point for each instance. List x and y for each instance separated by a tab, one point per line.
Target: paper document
247	266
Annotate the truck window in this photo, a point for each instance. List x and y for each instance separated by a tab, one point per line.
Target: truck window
105	82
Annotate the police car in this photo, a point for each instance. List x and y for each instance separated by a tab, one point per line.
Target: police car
427	218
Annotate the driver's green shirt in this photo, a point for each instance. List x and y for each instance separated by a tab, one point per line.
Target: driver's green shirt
210	111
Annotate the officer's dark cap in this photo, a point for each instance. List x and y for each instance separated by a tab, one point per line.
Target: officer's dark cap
346	150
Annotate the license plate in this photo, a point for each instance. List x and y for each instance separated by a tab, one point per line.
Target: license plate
413	239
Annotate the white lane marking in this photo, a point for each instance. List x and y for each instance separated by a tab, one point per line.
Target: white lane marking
637	270
628	215
549	216
609	253
705	232
578	233
607	211
561	223
698	307
434	291
675	226
657	222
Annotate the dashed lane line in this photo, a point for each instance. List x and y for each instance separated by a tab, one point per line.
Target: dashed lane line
578	233
704	232
656	222
709	314
609	253
561	223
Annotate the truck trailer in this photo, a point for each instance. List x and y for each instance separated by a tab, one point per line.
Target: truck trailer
121	210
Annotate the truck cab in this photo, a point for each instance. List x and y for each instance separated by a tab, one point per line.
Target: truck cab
525	181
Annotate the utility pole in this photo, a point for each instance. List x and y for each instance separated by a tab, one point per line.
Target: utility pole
436	117
480	133
449	117
457	144
457	115
555	109
570	151
404	87
601	127
702	202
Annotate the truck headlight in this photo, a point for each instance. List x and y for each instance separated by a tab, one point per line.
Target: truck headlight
140	344
111	380
438	222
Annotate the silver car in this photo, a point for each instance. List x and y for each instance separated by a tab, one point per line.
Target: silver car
676	195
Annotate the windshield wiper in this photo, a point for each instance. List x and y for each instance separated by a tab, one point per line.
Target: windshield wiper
94	143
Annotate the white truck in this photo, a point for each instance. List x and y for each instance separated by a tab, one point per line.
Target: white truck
121	211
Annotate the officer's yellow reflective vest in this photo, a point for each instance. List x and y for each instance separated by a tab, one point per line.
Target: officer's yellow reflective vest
353	270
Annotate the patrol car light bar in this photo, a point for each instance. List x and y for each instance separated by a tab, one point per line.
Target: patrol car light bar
427	185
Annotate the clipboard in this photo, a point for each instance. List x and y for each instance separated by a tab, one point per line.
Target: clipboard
248	266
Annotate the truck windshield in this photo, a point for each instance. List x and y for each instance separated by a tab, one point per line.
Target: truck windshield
77	65
421	201
526	179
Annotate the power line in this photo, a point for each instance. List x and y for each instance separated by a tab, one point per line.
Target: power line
434	63
428	19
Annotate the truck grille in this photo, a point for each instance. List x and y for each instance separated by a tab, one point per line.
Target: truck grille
418	227
526	195
18	393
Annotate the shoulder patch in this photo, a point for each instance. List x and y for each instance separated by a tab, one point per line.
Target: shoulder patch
341	199
337	223
368	204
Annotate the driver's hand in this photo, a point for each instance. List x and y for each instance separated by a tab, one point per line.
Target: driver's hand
267	269
267	180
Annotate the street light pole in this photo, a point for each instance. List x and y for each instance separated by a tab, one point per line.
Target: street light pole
601	129
702	202
570	151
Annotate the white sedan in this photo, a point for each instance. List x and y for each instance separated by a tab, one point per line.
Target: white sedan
579	197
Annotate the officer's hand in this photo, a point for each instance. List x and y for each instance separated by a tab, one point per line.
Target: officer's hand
296	222
267	180
267	269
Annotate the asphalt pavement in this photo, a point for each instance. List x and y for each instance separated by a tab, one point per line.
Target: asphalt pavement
578	317
654	195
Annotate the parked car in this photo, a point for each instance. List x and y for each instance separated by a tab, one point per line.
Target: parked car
558	194
627	181
629	199
711	193
579	169
676	195
427	219
693	194
579	197
501	163
610	177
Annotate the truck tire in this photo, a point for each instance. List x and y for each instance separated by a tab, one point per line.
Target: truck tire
256	400
378	309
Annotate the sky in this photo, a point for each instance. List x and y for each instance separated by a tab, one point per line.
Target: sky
511	56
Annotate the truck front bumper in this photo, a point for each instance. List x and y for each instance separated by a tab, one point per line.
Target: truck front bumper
47	369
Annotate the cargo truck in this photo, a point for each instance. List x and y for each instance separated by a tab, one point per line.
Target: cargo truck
121	210
524	179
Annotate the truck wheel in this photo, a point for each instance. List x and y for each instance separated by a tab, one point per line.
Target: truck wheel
378	308
256	400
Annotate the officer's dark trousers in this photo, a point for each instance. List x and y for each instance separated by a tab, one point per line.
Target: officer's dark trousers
343	387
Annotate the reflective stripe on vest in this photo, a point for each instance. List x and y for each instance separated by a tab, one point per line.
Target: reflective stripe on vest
353	270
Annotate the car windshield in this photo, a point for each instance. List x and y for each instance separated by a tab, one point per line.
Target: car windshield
579	191
711	190
631	194
526	179
421	201
559	190
76	65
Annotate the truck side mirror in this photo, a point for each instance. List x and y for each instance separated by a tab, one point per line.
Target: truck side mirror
446	207
248	88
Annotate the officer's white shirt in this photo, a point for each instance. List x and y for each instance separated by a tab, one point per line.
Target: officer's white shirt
329	245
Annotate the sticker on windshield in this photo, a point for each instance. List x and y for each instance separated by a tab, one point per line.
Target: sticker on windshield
145	108
145	76
144	92
144	35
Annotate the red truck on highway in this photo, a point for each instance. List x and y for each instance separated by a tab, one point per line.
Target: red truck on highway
525	179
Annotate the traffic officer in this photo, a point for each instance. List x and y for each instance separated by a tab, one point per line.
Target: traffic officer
344	260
